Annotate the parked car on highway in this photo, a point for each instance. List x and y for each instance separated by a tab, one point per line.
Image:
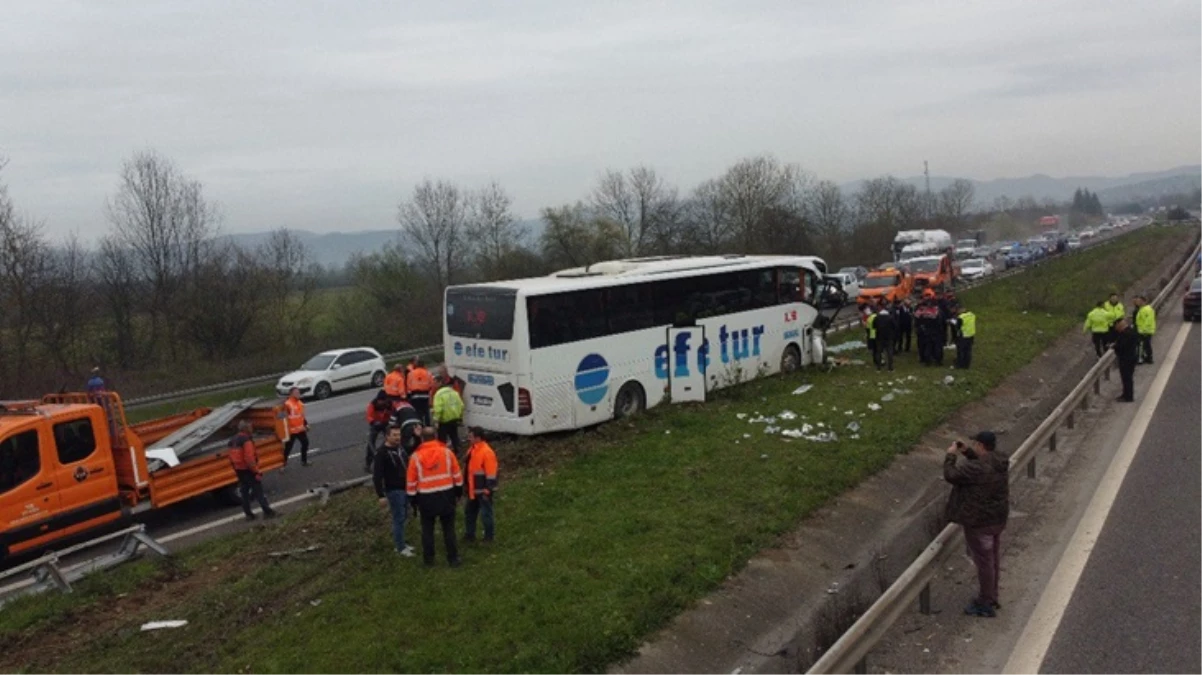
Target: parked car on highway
1191	304
982	252
1018	256
335	370
1088	234
859	272
976	268
1074	243
848	281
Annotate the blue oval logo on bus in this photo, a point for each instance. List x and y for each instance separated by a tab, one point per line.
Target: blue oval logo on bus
592	379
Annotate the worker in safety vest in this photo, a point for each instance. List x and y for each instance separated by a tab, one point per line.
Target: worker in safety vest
965	325
405	418
435	481
96	382
394	382
481	470
379	411
448	414
245	460
1097	324
298	426
444	375
1145	326
1114	309
929	326
419	383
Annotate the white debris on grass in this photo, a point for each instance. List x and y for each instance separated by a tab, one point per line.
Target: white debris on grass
887	397
157	625
948	379
846	347
874	406
792	433
787	415
853	426
802	389
741	416
746	436
771	429
855	437
760	419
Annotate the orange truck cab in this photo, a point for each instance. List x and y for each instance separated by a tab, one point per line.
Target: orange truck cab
70	463
890	284
933	271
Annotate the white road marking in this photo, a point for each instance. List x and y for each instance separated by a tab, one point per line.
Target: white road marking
1032	646
228	519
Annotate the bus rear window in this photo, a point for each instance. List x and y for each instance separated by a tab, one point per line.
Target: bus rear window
481	313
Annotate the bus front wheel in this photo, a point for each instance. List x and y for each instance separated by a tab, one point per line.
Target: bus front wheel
790	361
631	400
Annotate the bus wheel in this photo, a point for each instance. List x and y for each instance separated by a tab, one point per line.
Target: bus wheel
631	400
790	361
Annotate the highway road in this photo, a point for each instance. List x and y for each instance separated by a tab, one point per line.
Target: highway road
1137	601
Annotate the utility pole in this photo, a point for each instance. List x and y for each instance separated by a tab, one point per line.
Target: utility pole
926	173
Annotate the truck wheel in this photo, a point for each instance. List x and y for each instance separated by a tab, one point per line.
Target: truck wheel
227	496
790	361
322	391
631	400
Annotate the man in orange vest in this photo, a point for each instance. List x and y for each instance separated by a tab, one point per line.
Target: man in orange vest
245	460
481	472
419	383
379	411
435	481
394	383
298	427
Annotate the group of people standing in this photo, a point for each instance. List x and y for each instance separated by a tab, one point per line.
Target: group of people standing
420	466
1131	339
938	321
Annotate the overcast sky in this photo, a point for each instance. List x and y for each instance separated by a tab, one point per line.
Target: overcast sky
322	115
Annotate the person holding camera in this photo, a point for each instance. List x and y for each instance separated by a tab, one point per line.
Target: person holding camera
980	503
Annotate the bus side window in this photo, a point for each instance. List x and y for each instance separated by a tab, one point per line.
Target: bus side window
811	286
789	285
19	459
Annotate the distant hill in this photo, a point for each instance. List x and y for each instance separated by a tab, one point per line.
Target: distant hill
1042	186
331	249
1158	187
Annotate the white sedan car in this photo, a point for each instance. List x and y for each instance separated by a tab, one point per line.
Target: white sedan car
975	268
335	370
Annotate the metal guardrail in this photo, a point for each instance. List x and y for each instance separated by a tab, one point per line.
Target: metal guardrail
849	652
262	379
250	381
47	573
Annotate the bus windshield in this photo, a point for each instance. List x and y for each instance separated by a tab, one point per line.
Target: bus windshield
880	282
481	312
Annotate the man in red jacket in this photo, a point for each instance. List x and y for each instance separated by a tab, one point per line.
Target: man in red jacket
245	460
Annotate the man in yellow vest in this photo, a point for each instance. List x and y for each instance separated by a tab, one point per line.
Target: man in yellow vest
1114	308
965	327
1145	326
1097	324
448	414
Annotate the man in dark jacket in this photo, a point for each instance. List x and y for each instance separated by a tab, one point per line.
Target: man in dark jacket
886	332
905	325
980	503
1126	350
389	475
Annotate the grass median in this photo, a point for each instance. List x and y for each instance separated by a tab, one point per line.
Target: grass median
603	536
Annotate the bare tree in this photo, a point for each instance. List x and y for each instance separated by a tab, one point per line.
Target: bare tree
288	284
435	222
24	265
162	217
117	273
642	205
883	207
221	305
955	202
66	305
830	217
573	237
493	228
752	196
710	228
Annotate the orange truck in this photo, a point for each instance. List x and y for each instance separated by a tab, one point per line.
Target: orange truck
70	463
890	284
934	271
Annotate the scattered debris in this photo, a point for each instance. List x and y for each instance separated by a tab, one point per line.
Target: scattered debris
763	456
846	347
874	406
745	436
802	389
156	625
855	437
667	431
316	602
948	379
792	433
741	416
853	426
294	551
887	397
834	588
771	429
760	419
787	415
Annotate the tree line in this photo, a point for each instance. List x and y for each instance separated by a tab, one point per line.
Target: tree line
164	300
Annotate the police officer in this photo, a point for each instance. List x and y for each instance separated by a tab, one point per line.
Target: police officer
1097	324
965	326
1114	309
1145	327
1126	350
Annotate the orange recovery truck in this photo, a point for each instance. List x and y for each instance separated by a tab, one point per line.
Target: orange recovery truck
890	284
70	463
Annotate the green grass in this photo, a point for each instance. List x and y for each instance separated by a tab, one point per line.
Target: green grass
603	536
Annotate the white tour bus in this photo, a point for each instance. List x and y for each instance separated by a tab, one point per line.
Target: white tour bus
585	345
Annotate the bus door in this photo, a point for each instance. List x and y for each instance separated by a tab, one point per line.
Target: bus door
686	367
